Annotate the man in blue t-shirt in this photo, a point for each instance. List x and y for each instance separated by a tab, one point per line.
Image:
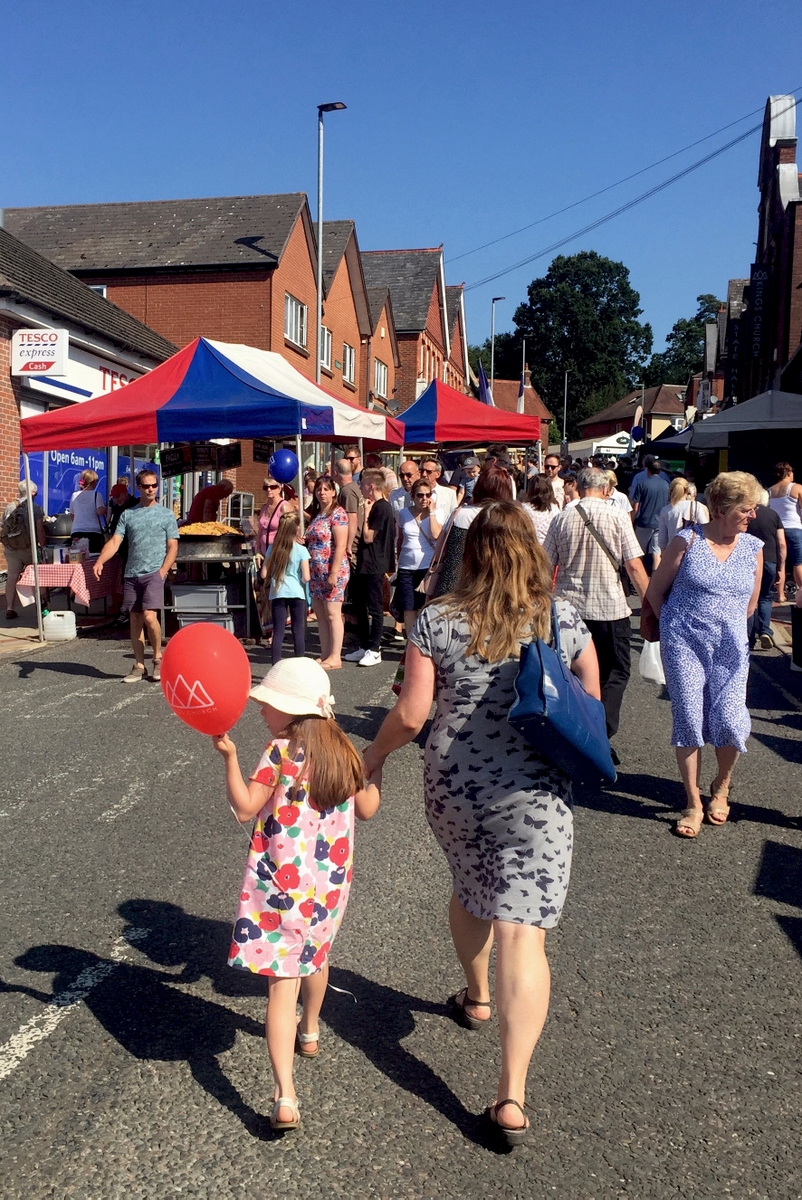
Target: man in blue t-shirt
152	533
649	498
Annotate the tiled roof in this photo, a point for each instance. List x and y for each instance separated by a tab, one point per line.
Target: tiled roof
31	277
668	398
377	300
505	395
410	276
453	295
152	234
335	239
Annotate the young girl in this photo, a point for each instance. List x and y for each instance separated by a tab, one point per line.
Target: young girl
304	793
286	572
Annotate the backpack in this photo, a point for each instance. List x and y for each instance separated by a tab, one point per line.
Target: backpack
14	532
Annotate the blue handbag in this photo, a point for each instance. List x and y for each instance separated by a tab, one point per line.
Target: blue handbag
556	716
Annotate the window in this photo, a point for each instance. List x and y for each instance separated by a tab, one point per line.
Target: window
100	288
349	363
380	378
325	347
294	320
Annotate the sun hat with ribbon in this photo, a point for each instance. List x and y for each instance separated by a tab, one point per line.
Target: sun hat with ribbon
297	686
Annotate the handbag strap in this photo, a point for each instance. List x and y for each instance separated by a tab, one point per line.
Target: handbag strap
593	531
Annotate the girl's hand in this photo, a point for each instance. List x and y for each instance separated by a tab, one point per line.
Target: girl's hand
332	580
224	745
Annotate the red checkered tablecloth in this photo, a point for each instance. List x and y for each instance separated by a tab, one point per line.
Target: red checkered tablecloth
78	577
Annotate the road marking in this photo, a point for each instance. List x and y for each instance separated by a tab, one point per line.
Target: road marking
129	801
51	704
122	703
19	1045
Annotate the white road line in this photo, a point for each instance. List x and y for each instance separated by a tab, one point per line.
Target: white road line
52	704
123	703
19	1045
128	801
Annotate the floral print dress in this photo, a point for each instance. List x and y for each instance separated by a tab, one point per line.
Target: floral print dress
297	877
320	541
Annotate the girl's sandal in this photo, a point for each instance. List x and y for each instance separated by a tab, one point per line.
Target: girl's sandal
304	1040
718	810
292	1105
690	822
511	1135
456	1009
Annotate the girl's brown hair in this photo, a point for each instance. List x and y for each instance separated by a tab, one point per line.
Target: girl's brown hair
316	507
279	556
333	769
504	587
492	483
540	493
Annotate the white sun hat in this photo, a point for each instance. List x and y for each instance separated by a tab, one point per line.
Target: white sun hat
297	686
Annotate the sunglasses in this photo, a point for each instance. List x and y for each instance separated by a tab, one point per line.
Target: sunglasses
552	466
407	474
422	495
148	486
352	457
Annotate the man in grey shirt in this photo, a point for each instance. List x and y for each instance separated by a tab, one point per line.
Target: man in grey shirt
152	533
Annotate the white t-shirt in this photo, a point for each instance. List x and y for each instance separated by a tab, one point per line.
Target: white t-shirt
418	543
621	500
398	499
84	506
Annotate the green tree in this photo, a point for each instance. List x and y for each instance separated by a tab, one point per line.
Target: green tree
581	316
685	346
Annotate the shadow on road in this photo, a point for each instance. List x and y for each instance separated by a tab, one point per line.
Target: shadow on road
151	1019
779	878
635	795
28	666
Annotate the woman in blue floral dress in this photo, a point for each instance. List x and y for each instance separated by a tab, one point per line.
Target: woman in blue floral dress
326	540
705	589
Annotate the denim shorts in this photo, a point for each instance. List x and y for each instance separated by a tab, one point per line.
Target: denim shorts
793	538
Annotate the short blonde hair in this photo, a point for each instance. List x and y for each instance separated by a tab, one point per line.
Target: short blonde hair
89	478
731	488
613	478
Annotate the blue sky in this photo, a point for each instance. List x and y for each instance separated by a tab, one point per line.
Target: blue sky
465	121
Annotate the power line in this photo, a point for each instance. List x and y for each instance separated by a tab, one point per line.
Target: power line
621	209
610	186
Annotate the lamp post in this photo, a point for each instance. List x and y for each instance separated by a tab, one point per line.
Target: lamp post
321	109
493	338
565	410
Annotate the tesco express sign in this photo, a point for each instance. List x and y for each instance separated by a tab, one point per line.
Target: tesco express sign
39	351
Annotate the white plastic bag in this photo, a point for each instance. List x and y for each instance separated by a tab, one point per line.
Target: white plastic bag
651	664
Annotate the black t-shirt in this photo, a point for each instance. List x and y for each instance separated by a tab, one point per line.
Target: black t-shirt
765	526
377	558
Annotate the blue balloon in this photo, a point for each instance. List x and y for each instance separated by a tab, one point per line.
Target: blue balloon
283	466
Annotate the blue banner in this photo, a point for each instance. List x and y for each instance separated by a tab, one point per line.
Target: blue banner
64	468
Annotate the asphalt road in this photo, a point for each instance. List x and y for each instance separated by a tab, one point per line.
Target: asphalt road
132	1061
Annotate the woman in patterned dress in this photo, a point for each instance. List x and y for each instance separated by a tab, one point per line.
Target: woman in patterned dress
326	540
540	505
705	589
501	814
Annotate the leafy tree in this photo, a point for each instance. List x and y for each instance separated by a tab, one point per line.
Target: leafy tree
685	346
581	316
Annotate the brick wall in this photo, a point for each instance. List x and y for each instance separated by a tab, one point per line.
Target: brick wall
229	306
295	274
407	374
456	361
339	316
381	347
10	394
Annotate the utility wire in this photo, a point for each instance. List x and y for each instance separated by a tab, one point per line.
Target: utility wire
610	186
617	211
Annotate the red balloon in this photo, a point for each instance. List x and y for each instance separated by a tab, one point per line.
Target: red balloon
206	677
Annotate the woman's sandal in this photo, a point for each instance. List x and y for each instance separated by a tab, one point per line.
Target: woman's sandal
457	1011
302	1040
690	820
717	812
511	1135
292	1105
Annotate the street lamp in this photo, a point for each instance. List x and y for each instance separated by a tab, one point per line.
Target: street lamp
565	410
493	337
321	109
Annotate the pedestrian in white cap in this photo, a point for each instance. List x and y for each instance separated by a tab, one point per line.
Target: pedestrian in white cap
304	793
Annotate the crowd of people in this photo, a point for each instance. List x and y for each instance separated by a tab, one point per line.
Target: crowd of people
474	566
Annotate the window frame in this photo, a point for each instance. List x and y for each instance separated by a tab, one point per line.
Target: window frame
378	368
295	320
326	344
349	363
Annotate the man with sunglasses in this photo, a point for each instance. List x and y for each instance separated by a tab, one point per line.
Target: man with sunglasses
551	467
152	533
444	498
409	473
354	459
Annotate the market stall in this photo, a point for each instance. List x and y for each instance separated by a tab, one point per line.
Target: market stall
442	416
211	390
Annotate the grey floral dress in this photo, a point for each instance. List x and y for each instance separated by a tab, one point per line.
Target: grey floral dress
500	813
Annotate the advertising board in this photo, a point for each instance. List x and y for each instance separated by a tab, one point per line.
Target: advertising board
39	352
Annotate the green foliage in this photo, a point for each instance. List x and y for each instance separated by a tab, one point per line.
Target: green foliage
581	316
685	346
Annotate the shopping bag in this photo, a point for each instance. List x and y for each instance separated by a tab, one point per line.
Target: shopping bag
651	664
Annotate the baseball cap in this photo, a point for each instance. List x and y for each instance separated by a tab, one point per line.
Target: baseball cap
297	686
470	461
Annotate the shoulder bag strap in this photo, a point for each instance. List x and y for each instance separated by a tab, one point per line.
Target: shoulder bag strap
593	531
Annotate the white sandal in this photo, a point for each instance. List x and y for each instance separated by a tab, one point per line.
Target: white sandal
306	1039
285	1102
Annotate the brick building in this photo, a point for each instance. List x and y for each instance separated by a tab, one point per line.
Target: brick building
107	349
457	366
415	280
662	406
759	334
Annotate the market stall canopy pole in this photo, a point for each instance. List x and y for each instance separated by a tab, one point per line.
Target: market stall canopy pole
442	415
211	390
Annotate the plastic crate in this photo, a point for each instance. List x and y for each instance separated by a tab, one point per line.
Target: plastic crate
225	619
192	597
